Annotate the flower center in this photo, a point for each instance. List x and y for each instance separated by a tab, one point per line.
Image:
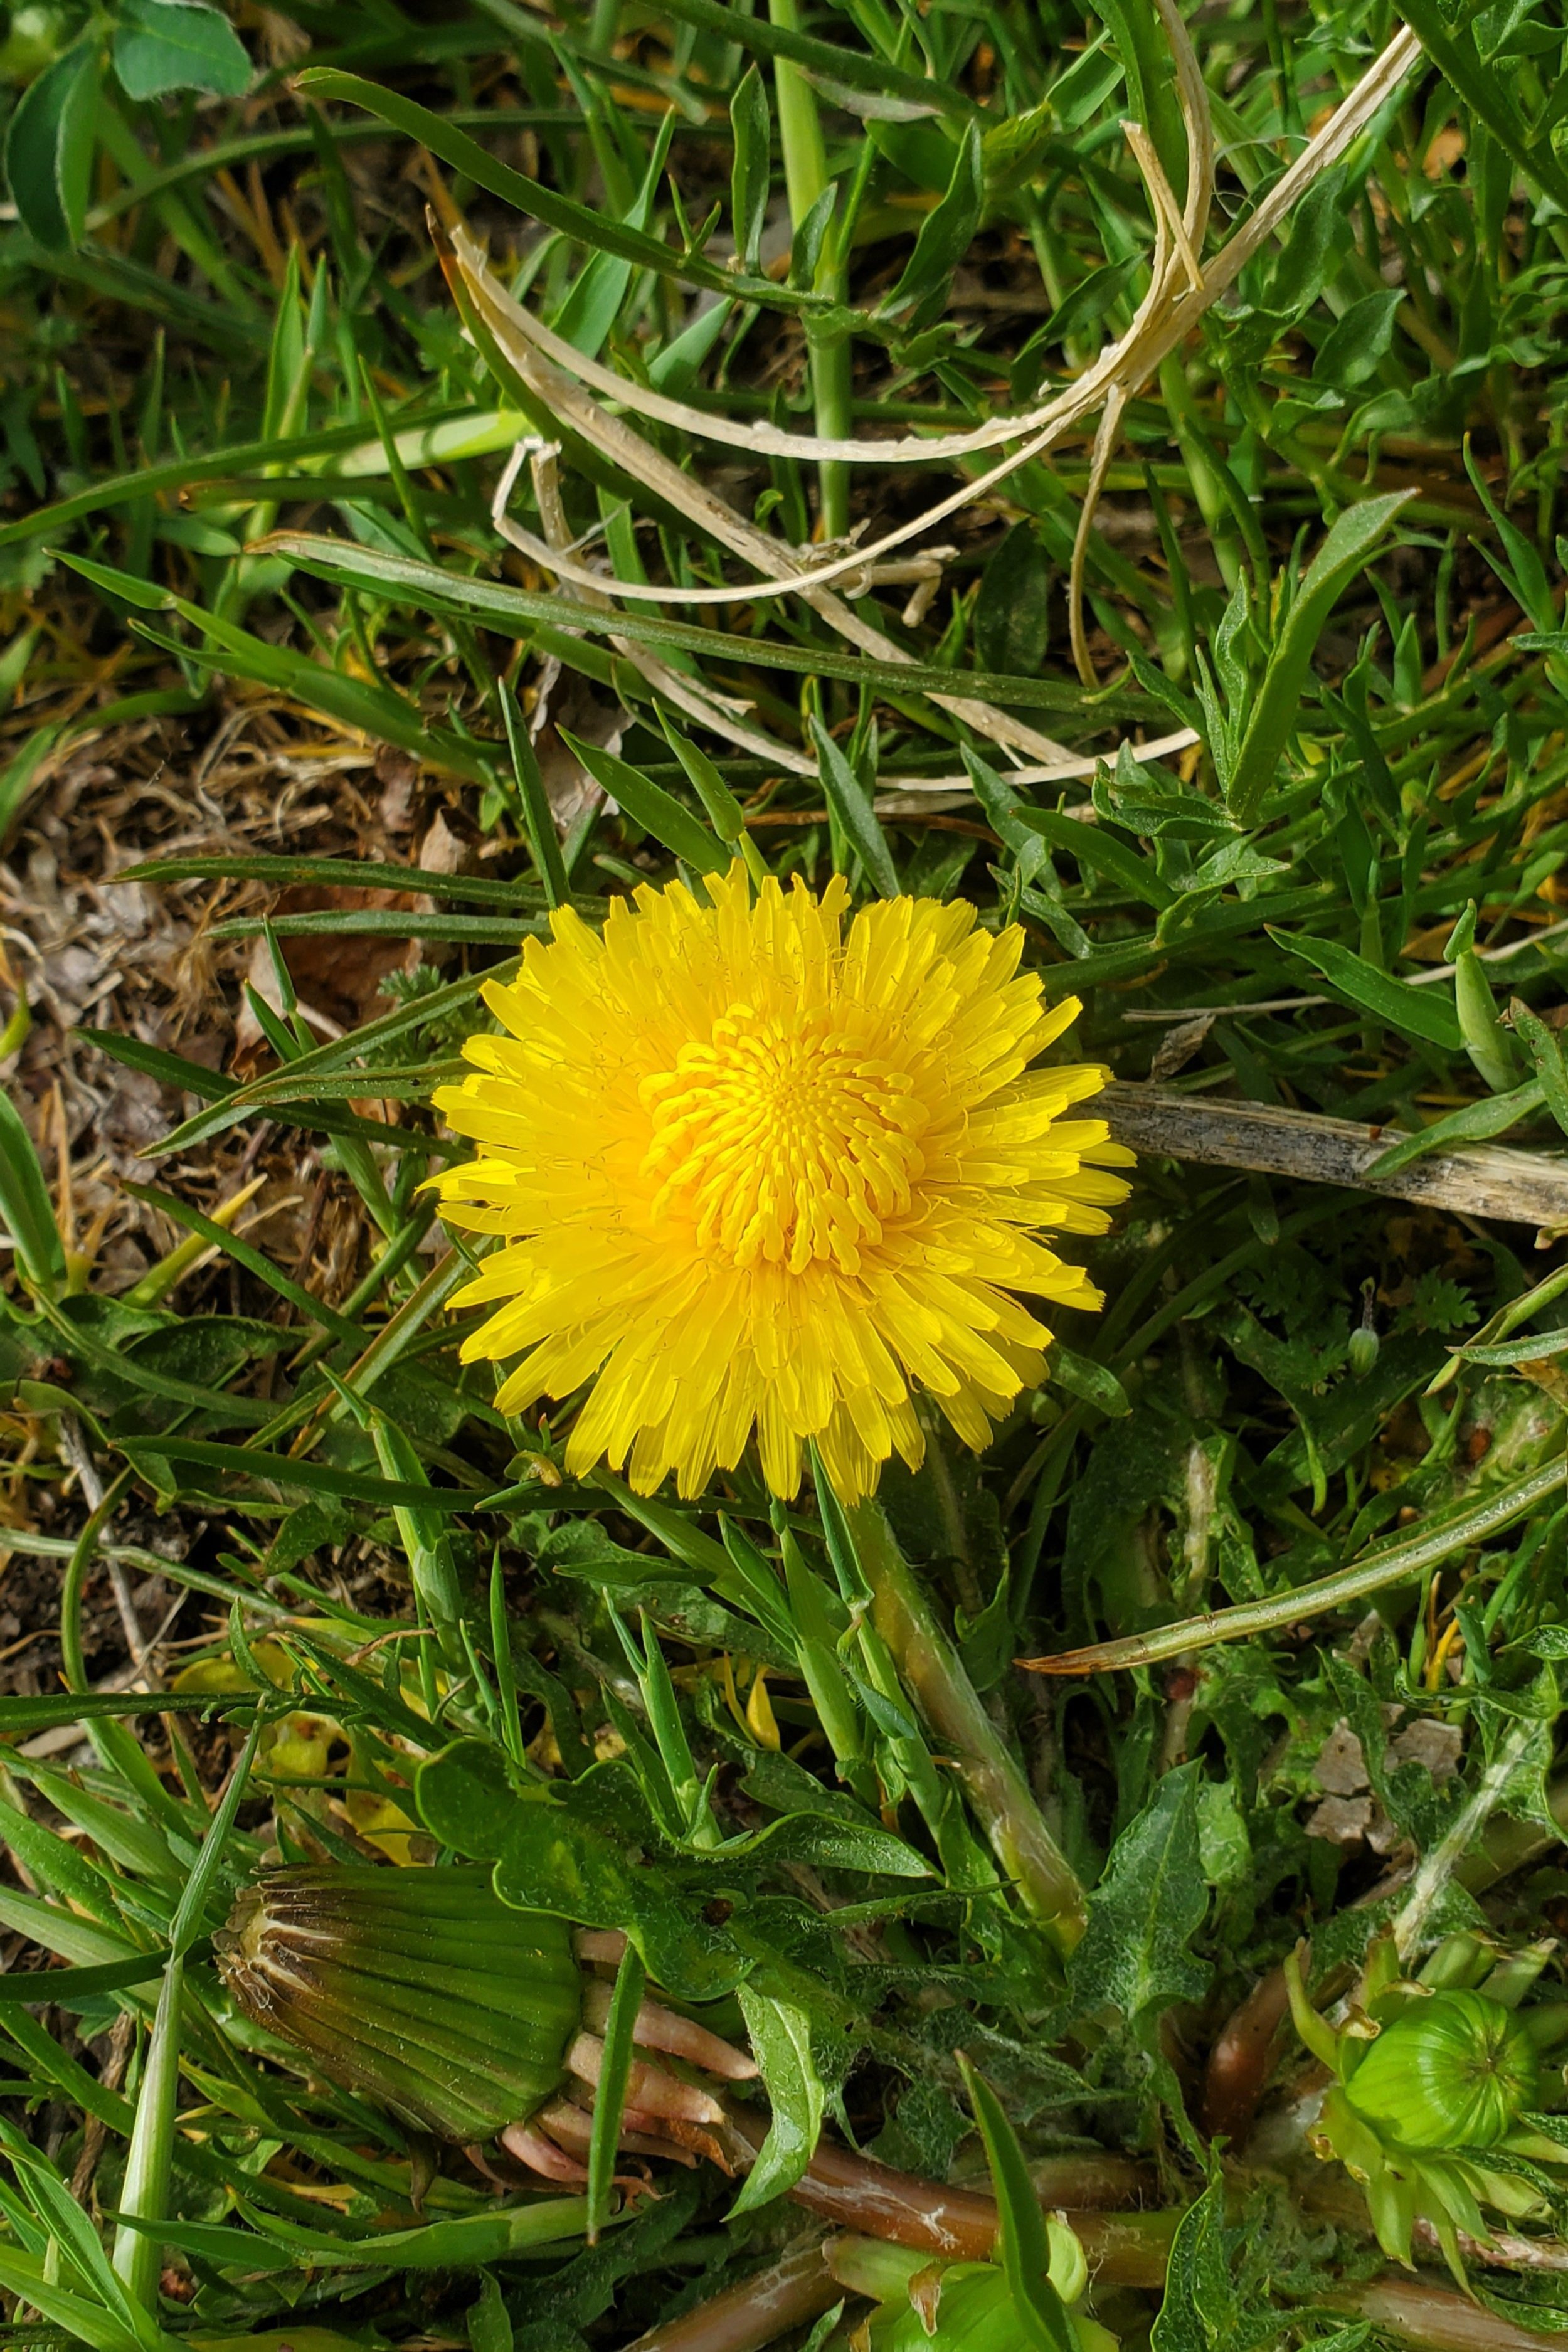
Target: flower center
785	1139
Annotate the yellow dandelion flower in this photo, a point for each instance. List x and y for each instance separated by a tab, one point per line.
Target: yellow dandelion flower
759	1169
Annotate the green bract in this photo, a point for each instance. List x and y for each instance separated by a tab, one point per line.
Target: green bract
1455	2070
417	1986
931	2305
1431	2110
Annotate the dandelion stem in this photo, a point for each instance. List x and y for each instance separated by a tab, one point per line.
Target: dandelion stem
745	2317
933	1675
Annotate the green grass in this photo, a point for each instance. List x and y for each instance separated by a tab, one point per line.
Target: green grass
253	425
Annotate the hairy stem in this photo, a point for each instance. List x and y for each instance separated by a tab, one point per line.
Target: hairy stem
997	1789
1437	2319
745	2317
1376	1569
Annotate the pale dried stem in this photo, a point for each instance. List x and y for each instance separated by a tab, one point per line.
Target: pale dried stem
615	440
720	713
1478	1179
649	2090
657	2028
1178	294
1100	466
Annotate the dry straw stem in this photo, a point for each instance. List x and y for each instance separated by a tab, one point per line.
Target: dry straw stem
615	439
1177	296
1522	1188
722	714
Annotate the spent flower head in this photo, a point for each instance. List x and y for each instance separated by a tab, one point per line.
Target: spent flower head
757	1165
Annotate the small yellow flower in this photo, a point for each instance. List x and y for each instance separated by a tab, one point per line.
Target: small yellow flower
759	1169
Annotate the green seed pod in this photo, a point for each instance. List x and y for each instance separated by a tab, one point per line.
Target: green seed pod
418	1987
1457	2070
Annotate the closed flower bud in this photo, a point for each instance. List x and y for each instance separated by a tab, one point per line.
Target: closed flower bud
1364	1339
1455	2071
1432	2111
419	1988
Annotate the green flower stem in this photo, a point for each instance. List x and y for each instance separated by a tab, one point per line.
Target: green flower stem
138	2252
1378	1569
933	1675
805	177
84	1552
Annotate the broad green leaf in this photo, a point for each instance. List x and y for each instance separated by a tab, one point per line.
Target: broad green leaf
1472	1123
49	146
26	1209
467	1798
1134	1959
945	235
852	804
781	2044
751	173
559	1859
1095	1384
1317	226
167	45
1545	1049
829	1842
489	2323
1427	1012
1359	341
1143	46
1202	2311
1451	47
649	805
1011	616
1341	559
1038	2312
